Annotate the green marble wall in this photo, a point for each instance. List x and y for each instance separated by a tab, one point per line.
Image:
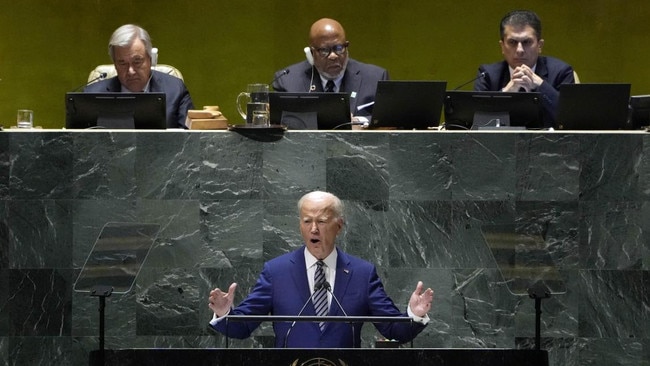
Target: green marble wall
417	205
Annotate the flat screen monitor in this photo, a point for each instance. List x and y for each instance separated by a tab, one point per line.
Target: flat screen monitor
115	110
408	104
639	113
492	109
593	106
310	111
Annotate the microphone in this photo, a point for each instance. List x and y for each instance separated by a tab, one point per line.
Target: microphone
154	57
280	75
317	287
328	287
480	76
101	76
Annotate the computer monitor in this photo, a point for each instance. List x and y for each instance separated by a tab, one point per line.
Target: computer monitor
492	109
593	106
310	111
639	112
408	104
115	110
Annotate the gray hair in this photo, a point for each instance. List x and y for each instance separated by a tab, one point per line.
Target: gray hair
125	35
335	203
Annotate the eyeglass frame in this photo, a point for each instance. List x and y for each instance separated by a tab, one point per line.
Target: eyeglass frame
343	50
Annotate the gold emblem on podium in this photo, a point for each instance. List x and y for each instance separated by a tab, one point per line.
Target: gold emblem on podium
318	361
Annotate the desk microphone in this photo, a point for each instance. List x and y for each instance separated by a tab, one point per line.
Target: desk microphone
101	76
317	287
280	75
480	76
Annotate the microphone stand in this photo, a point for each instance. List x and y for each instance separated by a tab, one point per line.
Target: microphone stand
481	75
101	76
316	288
328	287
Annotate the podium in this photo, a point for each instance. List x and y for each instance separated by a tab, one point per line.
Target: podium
324	357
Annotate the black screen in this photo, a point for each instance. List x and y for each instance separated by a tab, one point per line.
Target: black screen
477	109
115	110
310	111
408	104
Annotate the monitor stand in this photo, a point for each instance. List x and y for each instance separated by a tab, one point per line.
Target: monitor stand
490	119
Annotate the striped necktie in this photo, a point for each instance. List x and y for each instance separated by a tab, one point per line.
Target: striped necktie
320	294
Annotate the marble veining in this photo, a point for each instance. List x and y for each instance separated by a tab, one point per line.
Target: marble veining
418	205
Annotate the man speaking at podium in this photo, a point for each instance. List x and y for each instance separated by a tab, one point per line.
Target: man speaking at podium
319	279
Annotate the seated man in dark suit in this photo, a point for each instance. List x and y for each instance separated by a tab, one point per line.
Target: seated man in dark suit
328	62
348	286
523	68
130	49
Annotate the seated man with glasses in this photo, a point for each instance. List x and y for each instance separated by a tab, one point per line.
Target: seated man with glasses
329	68
130	49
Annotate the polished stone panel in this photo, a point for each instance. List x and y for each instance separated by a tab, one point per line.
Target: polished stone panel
417	205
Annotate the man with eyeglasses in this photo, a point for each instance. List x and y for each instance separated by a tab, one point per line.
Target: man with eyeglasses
523	69
130	49
329	68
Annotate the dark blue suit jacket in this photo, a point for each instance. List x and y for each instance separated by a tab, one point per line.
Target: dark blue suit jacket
283	289
177	96
552	70
359	78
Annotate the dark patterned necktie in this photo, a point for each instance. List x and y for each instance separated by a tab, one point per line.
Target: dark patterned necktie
320	294
329	87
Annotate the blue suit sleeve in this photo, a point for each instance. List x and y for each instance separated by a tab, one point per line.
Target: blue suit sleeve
258	302
382	305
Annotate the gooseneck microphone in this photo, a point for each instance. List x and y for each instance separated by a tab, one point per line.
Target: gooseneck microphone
102	76
317	287
480	76
328	287
280	75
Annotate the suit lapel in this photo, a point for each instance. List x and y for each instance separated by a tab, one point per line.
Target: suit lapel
114	85
343	276
300	281
505	76
351	82
154	83
318	87
542	69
